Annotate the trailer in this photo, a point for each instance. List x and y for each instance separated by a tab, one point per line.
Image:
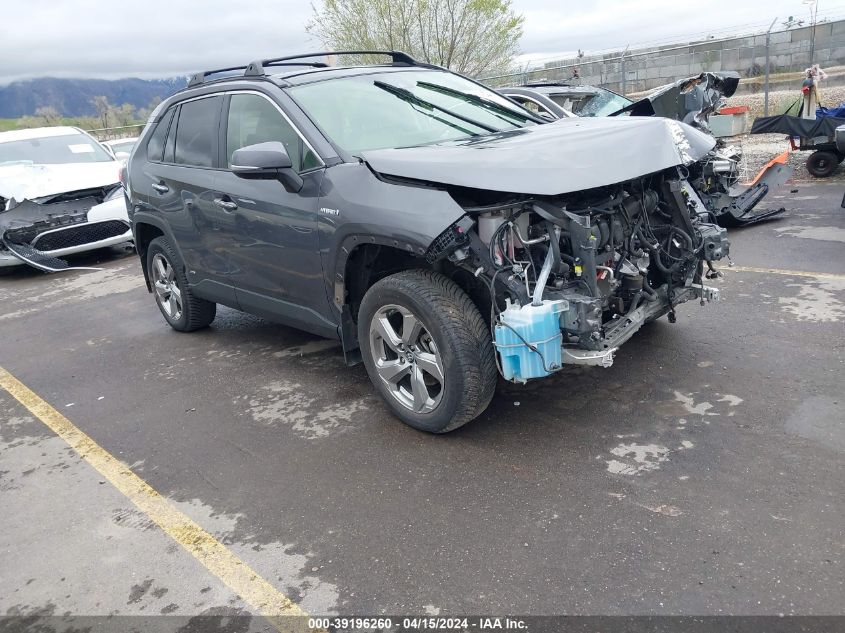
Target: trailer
819	136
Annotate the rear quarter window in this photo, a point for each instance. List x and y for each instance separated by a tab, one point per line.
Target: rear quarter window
155	146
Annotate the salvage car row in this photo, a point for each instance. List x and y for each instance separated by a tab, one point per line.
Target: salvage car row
444	234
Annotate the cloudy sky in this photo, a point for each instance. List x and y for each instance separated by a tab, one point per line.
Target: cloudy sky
161	38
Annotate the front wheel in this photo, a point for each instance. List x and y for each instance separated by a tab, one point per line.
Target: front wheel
427	350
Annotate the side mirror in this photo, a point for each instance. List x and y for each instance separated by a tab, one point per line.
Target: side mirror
266	161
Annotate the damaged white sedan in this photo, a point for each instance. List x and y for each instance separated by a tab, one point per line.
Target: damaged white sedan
59	194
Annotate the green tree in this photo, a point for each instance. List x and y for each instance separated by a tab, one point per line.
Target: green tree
468	36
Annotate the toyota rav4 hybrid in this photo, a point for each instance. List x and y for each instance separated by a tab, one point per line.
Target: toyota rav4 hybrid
442	233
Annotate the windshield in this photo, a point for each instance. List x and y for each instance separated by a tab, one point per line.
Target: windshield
405	109
602	103
54	150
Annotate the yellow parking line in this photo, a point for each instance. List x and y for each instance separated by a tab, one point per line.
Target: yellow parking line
211	553
780	271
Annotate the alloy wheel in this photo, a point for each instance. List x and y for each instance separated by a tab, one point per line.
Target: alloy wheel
406	358
168	294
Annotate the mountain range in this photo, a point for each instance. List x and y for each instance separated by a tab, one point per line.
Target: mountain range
72	97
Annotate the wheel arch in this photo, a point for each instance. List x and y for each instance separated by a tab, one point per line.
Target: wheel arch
367	259
146	228
361	262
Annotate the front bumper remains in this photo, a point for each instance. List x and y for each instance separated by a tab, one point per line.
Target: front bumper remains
42	239
624	327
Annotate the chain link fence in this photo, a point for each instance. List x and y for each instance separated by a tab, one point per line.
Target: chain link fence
625	72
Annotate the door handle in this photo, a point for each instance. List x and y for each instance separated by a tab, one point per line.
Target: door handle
161	188
226	205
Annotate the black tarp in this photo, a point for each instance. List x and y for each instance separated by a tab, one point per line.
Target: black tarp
796	126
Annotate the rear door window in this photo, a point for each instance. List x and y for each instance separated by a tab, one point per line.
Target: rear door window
197	131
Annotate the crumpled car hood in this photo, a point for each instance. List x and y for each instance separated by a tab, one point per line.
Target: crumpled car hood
551	159
30	182
691	100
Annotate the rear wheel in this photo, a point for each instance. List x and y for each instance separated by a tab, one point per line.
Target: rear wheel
427	350
822	164
178	305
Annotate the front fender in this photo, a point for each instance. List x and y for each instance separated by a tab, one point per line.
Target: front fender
357	207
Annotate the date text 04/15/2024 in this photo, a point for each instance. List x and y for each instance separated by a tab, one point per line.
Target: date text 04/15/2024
421	623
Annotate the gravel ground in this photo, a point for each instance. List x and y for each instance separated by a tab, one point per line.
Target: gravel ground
761	148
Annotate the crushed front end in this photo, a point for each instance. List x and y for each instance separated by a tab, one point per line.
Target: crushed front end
570	278
38	232
717	180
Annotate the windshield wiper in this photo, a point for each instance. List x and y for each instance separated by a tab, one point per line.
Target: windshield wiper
423	107
496	108
410	97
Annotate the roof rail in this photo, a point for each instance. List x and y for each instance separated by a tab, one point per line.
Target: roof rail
199	78
397	57
256	68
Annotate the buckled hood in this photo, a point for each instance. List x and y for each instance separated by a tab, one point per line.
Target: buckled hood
691	100
551	159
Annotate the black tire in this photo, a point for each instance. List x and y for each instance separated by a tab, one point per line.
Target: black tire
195	313
462	344
822	164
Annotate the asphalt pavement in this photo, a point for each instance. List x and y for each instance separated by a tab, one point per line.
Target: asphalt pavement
702	474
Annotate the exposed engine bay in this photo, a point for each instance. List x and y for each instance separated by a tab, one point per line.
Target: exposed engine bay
572	277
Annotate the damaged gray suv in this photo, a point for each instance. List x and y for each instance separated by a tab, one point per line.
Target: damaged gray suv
441	232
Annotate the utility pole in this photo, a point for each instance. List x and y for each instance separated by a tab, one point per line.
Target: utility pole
814	12
766	89
624	75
